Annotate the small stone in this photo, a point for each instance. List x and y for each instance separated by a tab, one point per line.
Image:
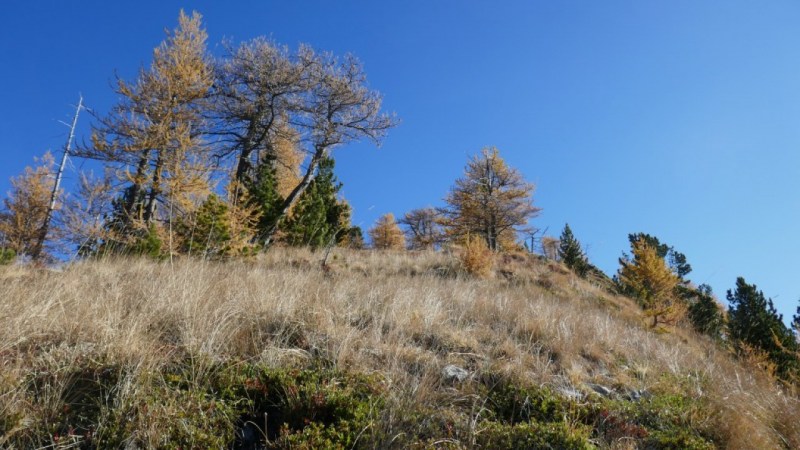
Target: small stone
570	393
453	373
600	389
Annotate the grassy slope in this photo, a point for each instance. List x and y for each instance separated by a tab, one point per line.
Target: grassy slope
180	349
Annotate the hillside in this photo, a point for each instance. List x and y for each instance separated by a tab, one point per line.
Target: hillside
376	350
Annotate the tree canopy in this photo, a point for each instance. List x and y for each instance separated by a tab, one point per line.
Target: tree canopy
491	200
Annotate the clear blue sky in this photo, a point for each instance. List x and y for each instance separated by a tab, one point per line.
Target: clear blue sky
680	119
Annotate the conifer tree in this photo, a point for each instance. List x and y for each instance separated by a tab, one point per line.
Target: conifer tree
423	228
652	282
676	260
491	200
386	234
320	218
571	254
550	246
353	238
153	138
325	100
23	212
263	197
209	233
705	313
754	321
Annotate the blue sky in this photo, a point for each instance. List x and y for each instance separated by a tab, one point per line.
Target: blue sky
679	119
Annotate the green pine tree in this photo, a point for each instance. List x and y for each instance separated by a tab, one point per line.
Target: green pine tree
263	194
571	254
320	217
210	234
753	320
704	312
7	256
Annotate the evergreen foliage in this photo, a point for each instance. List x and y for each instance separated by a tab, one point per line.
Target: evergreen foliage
754	321
264	198
571	254
705	313
7	256
320	218
209	234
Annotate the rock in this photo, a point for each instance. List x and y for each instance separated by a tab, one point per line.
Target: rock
452	373
635	395
600	389
570	393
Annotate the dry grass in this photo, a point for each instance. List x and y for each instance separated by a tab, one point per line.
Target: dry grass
402	315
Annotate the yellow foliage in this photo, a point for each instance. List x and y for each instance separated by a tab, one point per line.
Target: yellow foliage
288	158
476	257
653	282
386	234
491	200
24	210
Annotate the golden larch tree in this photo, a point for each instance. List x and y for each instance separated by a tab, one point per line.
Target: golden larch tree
153	139
386	234
651	280
25	208
491	200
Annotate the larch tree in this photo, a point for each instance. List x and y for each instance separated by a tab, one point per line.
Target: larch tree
423	228
323	101
491	200
675	259
153	138
386	234
23	214
550	246
258	86
647	276
571	254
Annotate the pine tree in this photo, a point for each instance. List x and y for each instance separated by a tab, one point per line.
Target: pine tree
320	218
23	212
491	200
263	197
209	234
754	321
571	254
386	235
652	282
705	313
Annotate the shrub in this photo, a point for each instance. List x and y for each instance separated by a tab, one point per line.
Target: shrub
7	256
476	257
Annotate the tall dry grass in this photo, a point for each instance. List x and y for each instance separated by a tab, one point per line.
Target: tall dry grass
402	315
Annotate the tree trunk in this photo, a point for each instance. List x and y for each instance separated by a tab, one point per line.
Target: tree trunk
155	191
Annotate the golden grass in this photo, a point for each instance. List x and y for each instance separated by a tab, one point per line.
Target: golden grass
403	315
